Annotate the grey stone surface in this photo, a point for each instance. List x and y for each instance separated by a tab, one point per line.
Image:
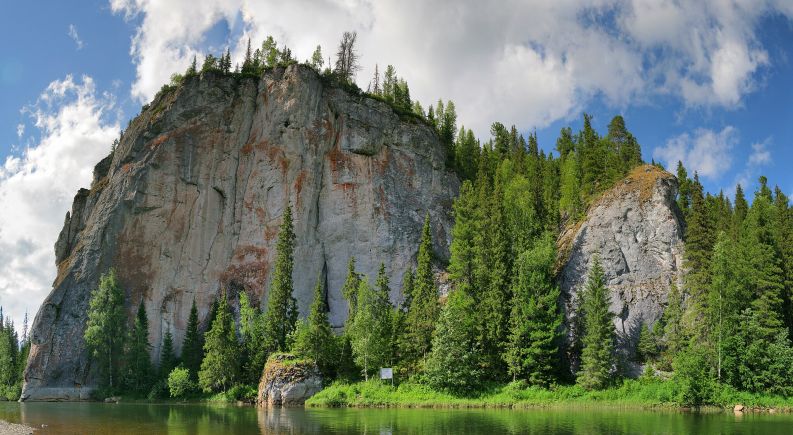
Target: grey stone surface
287	383
191	201
636	230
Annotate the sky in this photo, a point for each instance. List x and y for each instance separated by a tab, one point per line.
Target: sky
706	82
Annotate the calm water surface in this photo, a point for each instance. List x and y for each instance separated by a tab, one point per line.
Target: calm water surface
122	419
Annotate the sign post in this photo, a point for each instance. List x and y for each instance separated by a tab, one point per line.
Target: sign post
387	373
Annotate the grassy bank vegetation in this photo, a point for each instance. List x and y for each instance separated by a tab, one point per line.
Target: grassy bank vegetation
641	393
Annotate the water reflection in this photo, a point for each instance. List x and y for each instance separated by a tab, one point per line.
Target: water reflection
125	418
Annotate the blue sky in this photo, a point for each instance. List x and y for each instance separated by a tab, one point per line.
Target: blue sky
709	82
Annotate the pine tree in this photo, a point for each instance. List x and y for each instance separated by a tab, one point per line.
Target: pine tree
168	360
535	321
684	189
281	314
424	309
314	337
137	358
221	361
454	363
347	57
105	327
597	357
192	345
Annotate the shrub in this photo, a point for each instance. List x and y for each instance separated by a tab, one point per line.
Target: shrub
179	382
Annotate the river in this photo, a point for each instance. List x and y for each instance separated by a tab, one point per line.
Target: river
132	418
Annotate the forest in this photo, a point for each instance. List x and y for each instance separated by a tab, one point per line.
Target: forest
728	328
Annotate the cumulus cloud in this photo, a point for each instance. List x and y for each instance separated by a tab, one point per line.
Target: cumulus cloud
76	126
75	37
707	152
527	63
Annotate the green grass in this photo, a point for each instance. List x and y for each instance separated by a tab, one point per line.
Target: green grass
631	393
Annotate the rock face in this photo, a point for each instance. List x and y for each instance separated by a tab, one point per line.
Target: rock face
636	230
288	382
191	200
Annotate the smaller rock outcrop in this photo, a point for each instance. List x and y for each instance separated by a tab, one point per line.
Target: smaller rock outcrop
636	230
288	381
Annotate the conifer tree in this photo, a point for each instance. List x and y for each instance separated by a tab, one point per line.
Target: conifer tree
570	187
454	363
137	358
221	361
350	288
424	309
105	327
647	346
673	333
462	263
535	321
281	314
192	345
597	357
193	69
168	360
314	337
684	189
270	52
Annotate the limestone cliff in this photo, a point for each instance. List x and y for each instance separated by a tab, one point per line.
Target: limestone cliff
636	230
191	200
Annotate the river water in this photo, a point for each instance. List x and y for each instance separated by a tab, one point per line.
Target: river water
122	419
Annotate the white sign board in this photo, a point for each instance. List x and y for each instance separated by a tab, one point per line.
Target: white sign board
387	373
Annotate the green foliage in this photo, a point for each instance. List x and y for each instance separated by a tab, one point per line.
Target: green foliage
314	337
454	363
535	321
647	347
104	333
370	331
220	366
693	374
597	357
423	309
252	334
180	383
168	358
281	314
193	344
138	371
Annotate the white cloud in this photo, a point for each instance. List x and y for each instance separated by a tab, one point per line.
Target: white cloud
20	130
760	154
523	62
75	37
37	187
707	152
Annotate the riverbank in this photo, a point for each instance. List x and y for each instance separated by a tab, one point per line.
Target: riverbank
630	394
7	428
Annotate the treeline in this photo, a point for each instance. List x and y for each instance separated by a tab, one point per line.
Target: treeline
13	356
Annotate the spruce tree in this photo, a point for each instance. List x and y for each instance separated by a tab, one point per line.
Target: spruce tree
462	263
221	361
684	189
192	345
137	358
281	314
454	363
597	357
314	337
350	288
535	321
168	360
647	346
424	309
673	333
105	327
